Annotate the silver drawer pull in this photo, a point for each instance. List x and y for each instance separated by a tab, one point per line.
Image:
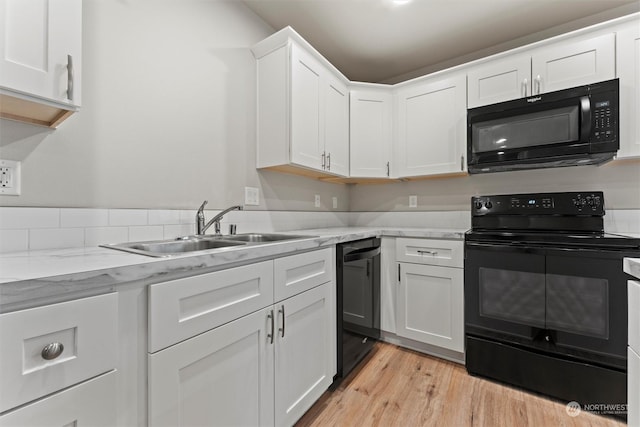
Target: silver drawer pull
51	351
428	252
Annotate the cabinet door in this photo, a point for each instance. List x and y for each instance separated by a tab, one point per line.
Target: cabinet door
628	66
633	389
370	141
306	74
431	127
573	63
430	305
92	403
305	352
36	40
499	80
336	126
222	377
634	314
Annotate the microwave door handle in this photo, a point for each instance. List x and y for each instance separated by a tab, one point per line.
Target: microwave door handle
585	119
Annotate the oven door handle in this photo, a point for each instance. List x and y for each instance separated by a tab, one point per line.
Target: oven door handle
361	254
512	247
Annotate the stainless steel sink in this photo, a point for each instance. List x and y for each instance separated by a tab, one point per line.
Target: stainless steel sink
264	237
163	248
190	244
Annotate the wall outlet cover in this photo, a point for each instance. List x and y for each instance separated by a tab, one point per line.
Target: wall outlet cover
251	196
413	201
334	200
317	200
10	178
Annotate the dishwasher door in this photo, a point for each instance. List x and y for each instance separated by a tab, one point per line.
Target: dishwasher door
358	301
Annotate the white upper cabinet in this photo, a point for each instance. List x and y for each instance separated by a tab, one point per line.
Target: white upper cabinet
565	64
573	63
431	119
628	66
371	132
306	93
40	59
500	80
336	128
303	108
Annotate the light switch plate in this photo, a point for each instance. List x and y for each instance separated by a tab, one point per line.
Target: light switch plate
413	201
9	178
251	196
334	200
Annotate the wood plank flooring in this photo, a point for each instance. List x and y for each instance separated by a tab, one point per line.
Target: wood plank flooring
400	387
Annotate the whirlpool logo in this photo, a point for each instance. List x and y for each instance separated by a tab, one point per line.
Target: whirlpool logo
535	99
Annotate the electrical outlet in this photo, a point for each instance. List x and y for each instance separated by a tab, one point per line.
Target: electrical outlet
251	196
9	178
413	201
334	200
317	202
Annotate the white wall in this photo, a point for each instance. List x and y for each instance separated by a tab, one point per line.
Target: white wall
168	116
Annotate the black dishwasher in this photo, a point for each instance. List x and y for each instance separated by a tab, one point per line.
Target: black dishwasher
358	301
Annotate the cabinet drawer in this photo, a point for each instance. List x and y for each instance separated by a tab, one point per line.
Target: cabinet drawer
298	273
445	253
92	403
180	309
634	315
87	330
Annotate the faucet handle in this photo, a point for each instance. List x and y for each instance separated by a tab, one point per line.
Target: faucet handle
203	205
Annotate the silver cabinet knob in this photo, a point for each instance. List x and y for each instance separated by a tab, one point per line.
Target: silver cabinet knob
51	351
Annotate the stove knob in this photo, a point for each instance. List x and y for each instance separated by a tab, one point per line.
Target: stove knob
478	204
488	204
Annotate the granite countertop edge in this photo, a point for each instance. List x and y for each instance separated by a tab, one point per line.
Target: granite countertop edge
31	279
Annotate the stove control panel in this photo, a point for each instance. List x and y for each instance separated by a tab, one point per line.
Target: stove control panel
569	203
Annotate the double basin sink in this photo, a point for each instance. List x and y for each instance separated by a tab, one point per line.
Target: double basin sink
197	243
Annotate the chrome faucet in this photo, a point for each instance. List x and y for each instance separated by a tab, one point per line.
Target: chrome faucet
201	228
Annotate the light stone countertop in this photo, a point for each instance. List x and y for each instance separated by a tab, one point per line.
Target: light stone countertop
632	267
30	279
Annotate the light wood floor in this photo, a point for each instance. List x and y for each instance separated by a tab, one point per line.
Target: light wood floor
399	387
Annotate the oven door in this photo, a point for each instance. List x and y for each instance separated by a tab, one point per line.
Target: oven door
569	302
504	291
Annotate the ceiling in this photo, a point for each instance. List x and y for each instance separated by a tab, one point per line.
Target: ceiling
380	41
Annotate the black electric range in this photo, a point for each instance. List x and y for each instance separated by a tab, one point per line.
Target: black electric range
546	297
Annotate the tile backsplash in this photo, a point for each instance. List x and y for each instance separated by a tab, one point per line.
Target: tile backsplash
23	229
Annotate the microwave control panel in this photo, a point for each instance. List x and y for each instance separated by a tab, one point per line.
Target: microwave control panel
604	114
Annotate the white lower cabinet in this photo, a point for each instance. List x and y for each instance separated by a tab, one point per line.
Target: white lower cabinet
269	366
92	403
264	366
430	292
222	377
305	347
633	352
430	305
633	389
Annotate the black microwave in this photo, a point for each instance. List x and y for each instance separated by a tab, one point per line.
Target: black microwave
571	127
